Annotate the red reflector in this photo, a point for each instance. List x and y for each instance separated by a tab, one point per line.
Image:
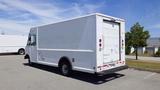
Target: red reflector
123	62
99	67
117	62
105	65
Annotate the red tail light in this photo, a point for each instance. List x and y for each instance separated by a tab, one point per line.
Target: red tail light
122	43
100	44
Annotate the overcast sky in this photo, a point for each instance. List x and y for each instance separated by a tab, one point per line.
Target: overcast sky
18	16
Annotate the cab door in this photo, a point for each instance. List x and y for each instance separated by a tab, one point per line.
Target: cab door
111	38
31	48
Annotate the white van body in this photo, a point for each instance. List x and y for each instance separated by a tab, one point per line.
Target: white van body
12	43
94	43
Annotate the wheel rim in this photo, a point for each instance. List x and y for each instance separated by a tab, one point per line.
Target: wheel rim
21	52
65	69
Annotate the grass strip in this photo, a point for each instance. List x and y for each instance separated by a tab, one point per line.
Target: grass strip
147	65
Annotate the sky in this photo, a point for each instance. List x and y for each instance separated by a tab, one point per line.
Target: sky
18	16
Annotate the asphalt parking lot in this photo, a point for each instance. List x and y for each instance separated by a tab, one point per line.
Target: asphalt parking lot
16	74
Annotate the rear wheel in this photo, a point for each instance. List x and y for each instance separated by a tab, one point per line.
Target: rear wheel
65	68
21	51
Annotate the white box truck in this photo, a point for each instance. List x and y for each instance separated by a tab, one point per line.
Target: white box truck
13	44
93	43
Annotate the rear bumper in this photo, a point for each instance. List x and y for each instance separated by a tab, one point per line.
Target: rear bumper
112	70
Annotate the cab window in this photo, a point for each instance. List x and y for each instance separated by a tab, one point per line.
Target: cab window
31	40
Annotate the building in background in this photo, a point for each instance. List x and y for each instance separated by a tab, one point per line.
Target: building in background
152	47
153	42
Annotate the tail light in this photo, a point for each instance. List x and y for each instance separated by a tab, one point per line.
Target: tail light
122	43
100	44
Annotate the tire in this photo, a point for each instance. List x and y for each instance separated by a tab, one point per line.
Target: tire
29	62
21	51
65	68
